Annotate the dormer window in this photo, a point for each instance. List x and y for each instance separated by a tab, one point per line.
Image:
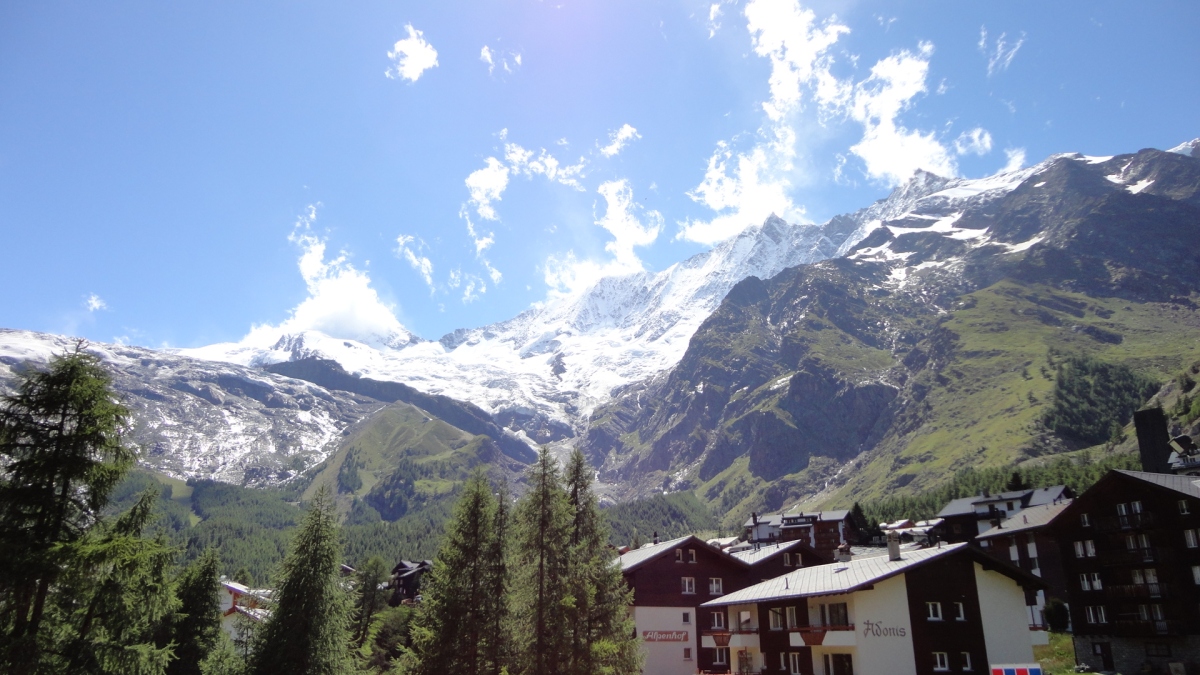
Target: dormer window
1084	521
691	555
787	559
679	555
1183	507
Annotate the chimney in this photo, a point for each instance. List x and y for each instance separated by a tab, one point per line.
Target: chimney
656	537
893	544
1153	439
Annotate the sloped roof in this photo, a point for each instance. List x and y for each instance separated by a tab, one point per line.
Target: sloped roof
958	507
1048	495
840	578
755	556
1034	497
637	557
1031	518
1184	485
774	519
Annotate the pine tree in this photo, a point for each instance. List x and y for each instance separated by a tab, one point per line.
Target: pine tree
496	639
371	598
542	530
62	453
601	629
307	632
197	625
450	628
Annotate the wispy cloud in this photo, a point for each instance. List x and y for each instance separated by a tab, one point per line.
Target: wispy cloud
406	248
977	141
411	56
94	303
1000	54
507	61
618	139
487	185
1016	159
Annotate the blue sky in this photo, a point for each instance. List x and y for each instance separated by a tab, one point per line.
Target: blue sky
176	173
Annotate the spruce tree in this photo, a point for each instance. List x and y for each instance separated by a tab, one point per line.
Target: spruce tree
542	530
371	598
307	632
450	627
62	453
601	629
197	625
497	640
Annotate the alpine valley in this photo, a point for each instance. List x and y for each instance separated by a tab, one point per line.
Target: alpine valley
876	353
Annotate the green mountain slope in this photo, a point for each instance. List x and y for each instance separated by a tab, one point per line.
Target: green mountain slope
928	351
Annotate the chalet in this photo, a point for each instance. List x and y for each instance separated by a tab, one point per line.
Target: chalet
768	561
670	580
1025	540
926	611
1130	549
1184	459
763	529
241	605
822	530
968	517
405	582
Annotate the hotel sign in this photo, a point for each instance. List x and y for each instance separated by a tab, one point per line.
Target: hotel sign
665	635
876	629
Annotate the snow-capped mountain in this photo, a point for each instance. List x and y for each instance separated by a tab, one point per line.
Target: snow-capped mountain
545	370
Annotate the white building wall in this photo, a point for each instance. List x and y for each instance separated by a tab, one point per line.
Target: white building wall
882	639
664	651
1006	631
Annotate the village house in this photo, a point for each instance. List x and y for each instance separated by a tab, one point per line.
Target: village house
670	580
821	530
918	612
768	561
1130	548
1025	540
241	606
968	517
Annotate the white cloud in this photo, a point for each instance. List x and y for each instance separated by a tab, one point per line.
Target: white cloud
976	142
525	162
797	46
1016	159
569	275
891	151
618	139
421	264
744	189
412	56
94	303
473	287
1001	55
340	302
508	61
486	185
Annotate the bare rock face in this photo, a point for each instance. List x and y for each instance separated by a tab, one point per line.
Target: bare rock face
205	419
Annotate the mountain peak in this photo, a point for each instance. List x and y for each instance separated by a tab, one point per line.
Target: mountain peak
1190	148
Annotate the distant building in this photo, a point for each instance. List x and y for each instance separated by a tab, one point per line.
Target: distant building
768	561
1130	549
925	611
241	606
1025	540
968	517
670	580
405	582
1184	459
822	530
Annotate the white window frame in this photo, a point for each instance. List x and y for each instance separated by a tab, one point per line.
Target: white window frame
687	618
1084	521
933	611
1096	614
691	555
1135	507
941	661
787	559
687	653
1085	583
1189	538
689	585
718	620
715	586
961	611
1090	547
1097	585
775	615
722	657
966	657
678	555
794	663
790	617
1196	574
1183	507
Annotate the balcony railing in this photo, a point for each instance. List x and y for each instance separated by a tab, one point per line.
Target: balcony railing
1136	591
1136	556
1132	521
1147	627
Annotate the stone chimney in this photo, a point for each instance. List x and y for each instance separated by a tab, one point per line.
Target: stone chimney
1153	440
656	537
843	553
893	544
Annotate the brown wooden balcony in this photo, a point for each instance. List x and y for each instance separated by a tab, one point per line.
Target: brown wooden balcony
1136	591
1133	521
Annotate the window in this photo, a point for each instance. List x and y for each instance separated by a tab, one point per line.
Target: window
960	612
1085	549
722	657
1183	507
687	653
791	617
1189	537
1085	582
776	614
787	559
1095	579
839	615
691	555
1135	507
678	555
1013	554
715	586
687	617
794	663
798	560
941	661
1010	506
1095	614
1196	574
1084	521
718	619
966	661
933	610
689	584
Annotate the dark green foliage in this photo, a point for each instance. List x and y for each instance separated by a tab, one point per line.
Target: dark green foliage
362	513
307	631
672	515
1015	482
415	536
62	453
865	526
449	630
393	496
370	597
1079	475
348	480
1091	397
170	516
211	499
390	636
196	626
1058	616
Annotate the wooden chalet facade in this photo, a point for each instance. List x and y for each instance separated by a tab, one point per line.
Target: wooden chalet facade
1026	540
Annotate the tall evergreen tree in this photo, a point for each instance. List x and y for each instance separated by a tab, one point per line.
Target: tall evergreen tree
197	625
542	531
307	632
371	598
450	628
601	629
496	639
62	454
